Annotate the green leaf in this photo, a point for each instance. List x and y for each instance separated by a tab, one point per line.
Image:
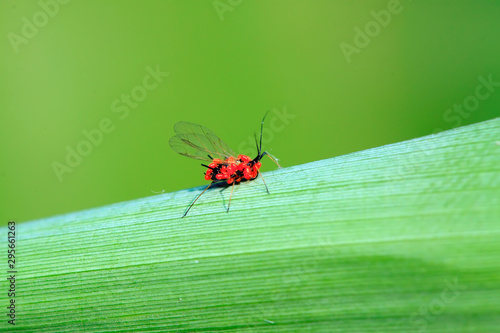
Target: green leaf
401	238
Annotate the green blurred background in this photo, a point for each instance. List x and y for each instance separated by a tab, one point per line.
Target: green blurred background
64	65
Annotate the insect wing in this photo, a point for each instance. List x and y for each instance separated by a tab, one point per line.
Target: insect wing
198	142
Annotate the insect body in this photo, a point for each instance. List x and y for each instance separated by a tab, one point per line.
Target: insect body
233	170
200	143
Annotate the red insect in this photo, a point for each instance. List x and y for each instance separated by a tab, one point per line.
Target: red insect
200	143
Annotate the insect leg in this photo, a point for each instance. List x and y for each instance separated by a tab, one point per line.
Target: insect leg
274	159
208	167
260	174
197	198
229	203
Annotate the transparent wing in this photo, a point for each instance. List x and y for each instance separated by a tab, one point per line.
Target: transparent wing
198	142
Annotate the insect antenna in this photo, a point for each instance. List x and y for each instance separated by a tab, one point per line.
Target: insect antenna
257	145
262	130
